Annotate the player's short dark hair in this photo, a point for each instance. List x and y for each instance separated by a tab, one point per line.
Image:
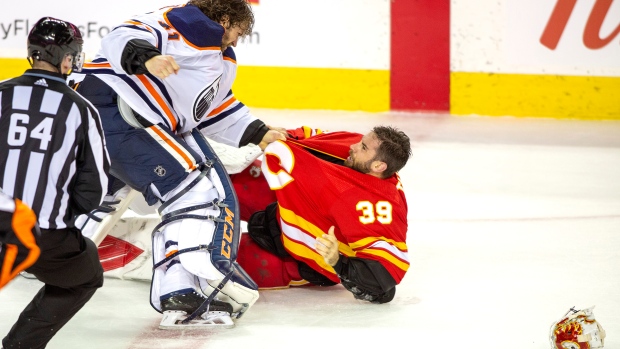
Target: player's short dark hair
239	12
394	150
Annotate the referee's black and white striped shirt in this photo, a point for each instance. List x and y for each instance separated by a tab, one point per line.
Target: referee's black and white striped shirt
52	150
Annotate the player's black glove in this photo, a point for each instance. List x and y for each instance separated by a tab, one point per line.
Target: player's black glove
368	280
368	296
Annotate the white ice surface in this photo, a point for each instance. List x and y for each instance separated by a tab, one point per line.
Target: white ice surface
511	223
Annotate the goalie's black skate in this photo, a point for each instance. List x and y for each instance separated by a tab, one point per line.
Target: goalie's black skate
189	302
178	306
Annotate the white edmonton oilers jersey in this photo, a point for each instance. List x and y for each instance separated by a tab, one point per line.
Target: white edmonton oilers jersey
201	90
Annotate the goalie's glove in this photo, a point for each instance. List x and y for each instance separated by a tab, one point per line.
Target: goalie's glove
234	159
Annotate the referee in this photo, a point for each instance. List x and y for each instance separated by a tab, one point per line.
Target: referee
53	159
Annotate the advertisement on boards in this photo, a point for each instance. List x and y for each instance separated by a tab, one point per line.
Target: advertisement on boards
350	34
18	17
564	37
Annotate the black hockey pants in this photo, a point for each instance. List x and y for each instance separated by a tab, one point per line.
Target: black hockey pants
70	268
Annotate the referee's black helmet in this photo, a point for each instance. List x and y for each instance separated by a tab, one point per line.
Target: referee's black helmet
51	40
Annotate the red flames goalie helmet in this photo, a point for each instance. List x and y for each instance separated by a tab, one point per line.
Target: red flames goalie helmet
578	329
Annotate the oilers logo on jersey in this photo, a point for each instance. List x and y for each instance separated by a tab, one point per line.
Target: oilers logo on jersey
205	97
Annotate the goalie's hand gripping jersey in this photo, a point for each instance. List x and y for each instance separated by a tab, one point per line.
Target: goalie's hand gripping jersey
199	93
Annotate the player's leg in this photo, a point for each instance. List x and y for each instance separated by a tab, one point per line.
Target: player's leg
264	230
164	167
69	266
173	171
174	286
268	270
199	235
96	224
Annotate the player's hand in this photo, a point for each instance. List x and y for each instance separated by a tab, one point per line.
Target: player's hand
162	66
327	246
282	130
270	137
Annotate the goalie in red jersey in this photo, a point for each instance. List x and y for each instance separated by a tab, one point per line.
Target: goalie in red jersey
329	208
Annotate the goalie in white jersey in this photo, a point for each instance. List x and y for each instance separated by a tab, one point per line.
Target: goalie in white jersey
156	78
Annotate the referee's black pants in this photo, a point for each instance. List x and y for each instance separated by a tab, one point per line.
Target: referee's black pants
70	268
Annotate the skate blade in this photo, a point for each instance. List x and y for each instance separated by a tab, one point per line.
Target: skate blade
173	321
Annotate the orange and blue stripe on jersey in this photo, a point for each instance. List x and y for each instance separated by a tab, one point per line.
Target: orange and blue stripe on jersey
138	25
178	151
229	106
147	87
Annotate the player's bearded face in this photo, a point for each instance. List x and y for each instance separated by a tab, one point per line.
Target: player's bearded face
231	36
357	165
363	153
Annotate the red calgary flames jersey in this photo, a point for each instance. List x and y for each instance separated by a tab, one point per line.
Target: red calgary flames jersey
369	214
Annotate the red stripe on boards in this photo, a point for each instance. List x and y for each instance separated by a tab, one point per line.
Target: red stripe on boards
420	55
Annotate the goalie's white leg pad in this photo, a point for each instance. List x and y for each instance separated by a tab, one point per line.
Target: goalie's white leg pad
173	320
240	291
197	263
190	232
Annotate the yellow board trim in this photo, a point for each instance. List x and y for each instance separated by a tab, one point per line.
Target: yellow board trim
555	96
12	67
291	88
313	88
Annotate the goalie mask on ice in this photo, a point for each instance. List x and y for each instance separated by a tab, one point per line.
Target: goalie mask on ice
195	246
578	329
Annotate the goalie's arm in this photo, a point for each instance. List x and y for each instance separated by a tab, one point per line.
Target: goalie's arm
234	125
367	279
